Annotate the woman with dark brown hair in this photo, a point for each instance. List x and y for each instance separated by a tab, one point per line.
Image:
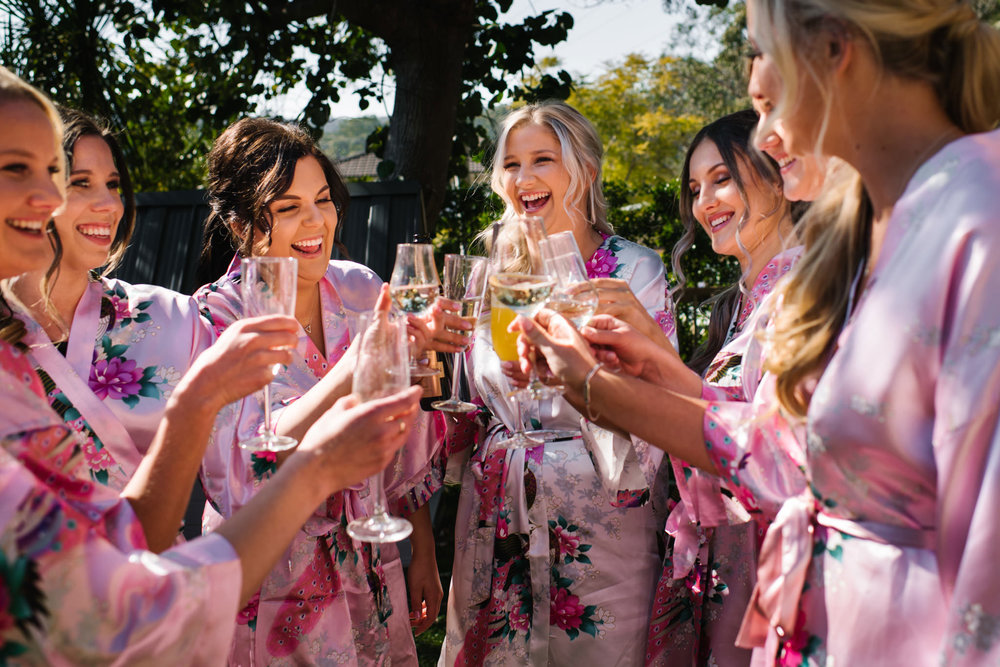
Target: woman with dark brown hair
278	195
109	353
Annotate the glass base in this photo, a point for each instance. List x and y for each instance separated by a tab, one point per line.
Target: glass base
453	405
418	371
547	434
269	443
518	441
380	528
541	392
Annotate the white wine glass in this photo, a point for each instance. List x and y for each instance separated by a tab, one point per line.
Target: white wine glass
574	297
533	229
382	370
464	281
414	285
268	287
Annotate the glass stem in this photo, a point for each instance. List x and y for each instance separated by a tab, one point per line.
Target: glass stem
267	410
375	483
519	418
456	369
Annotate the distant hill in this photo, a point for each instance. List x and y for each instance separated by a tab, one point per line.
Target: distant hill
344	137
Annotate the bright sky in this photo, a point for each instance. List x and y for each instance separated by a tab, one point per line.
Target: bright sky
604	31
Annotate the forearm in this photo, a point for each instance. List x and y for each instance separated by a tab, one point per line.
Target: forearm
283	504
296	419
664	418
422	538
161	487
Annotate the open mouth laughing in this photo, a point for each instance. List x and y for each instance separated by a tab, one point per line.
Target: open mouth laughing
309	247
534	201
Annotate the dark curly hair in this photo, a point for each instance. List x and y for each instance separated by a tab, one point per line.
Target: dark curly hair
250	165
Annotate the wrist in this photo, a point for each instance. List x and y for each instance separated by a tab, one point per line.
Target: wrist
587	391
310	476
196	404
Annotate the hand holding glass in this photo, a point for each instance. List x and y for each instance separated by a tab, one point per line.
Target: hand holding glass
464	282
268	287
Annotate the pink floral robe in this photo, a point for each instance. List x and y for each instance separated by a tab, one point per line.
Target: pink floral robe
331	599
128	347
555	563
710	568
890	557
76	585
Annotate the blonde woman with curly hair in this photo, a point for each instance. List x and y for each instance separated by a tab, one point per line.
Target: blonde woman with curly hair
555	562
884	353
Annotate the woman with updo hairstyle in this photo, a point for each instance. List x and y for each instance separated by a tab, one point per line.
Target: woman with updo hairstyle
79	584
883	355
555	556
278	195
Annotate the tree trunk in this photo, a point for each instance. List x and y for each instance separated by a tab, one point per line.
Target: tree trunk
427	42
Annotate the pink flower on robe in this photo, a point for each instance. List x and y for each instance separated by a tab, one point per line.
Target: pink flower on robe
568	542
249	612
602	263
566	610
97	459
116	377
121	308
519	618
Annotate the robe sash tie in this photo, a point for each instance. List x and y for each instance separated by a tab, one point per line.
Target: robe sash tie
785	557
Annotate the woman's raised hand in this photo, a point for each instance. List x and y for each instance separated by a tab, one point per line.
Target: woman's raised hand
352	441
616	298
619	346
240	362
560	352
443	325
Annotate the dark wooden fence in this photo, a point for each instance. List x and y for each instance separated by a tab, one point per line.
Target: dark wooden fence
166	247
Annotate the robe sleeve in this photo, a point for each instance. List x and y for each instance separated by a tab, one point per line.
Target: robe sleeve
83	591
966	449
756	450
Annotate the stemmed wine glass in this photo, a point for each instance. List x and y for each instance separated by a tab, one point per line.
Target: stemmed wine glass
382	370
268	287
414	286
533	228
464	280
513	293
574	297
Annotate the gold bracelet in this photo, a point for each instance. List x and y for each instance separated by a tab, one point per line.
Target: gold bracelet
586	391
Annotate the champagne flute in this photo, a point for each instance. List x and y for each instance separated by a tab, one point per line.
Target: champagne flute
382	370
533	228
414	286
464	282
573	297
268	287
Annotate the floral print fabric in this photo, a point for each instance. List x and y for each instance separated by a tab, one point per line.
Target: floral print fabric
551	567
898	533
128	347
71	547
710	564
330	599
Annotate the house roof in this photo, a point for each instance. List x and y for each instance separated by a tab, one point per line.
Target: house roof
365	165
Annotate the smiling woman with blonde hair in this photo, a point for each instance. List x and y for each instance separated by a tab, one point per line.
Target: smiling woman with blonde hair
883	355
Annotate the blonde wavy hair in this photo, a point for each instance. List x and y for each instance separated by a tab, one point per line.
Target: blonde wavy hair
942	42
582	155
15	89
